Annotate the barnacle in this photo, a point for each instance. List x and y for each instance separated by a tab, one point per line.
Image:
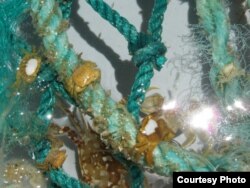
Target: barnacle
29	67
149	137
83	75
152	103
228	73
54	160
56	156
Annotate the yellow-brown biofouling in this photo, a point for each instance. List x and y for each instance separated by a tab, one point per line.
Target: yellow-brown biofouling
56	155
54	160
228	73
146	142
29	67
83	75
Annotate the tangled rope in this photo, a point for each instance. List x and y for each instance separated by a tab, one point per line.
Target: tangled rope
146	49
111	119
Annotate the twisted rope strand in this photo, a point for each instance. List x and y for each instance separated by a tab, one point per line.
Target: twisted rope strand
156	19
142	81
146	59
61	179
65	6
228	81
114	18
215	22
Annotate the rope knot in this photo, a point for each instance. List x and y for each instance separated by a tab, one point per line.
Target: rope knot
153	52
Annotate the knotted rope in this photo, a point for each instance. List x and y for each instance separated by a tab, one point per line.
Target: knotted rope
146	49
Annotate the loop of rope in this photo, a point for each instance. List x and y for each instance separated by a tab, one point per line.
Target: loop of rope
147	55
146	48
145	59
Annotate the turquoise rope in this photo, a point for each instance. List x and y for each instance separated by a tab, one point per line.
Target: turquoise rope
55	40
57	176
49	77
58	87
146	48
135	172
216	23
167	157
41	150
60	178
109	116
65	6
10	41
143	58
11	44
120	23
46	106
156	19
